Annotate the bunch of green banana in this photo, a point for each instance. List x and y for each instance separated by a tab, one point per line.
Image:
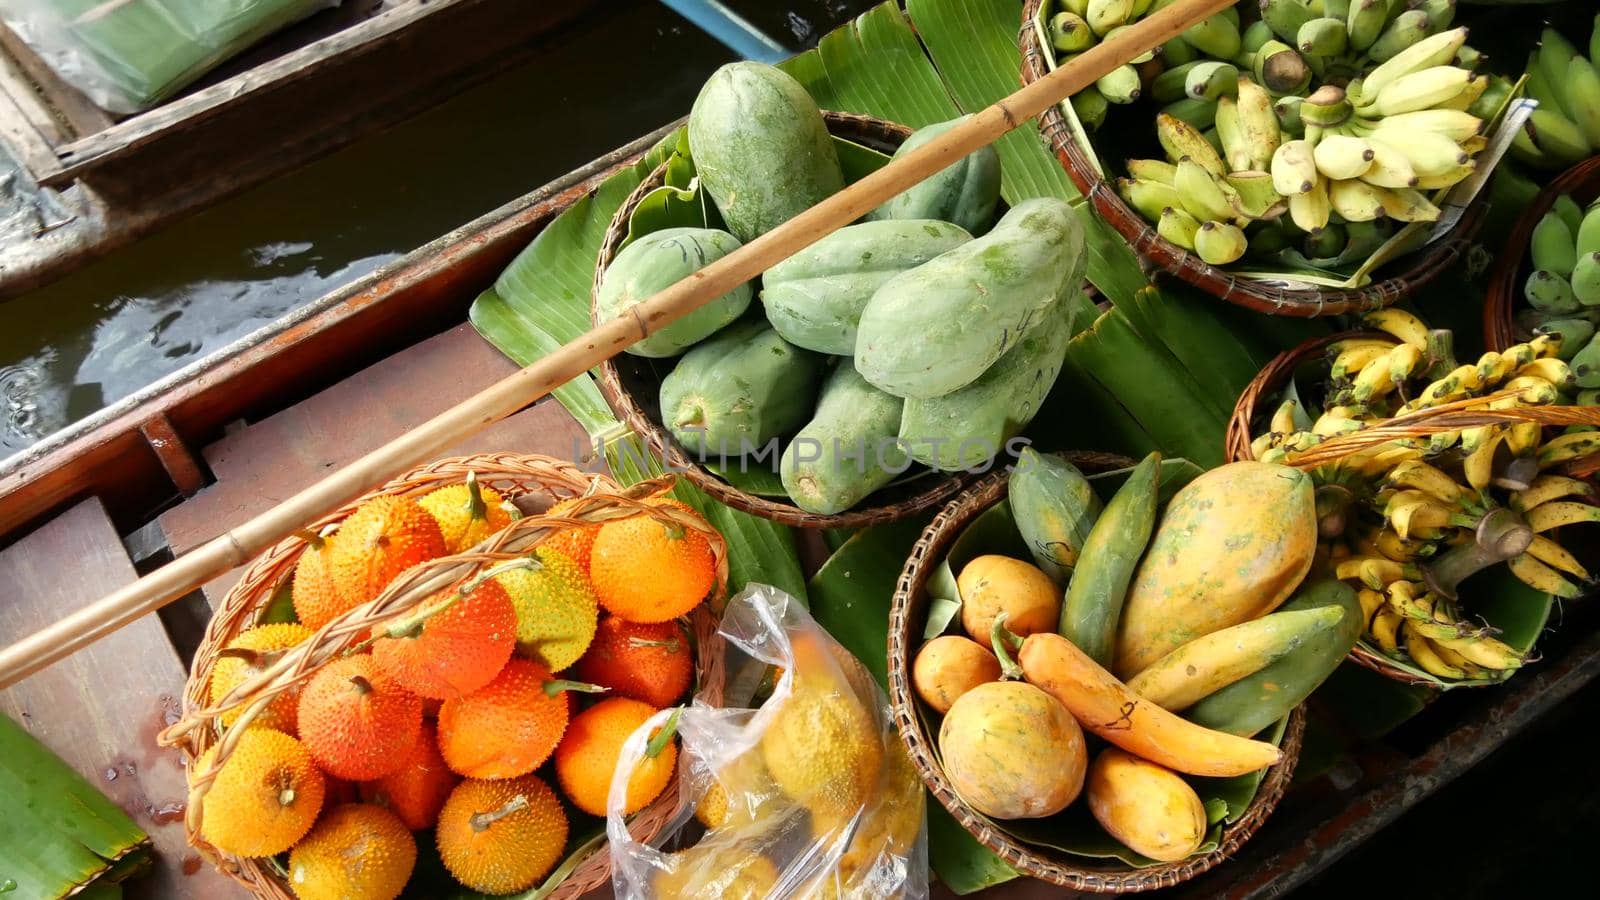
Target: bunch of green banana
1566	127
1408	520
1563	289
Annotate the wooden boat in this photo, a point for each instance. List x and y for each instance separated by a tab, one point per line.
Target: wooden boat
98	182
175	464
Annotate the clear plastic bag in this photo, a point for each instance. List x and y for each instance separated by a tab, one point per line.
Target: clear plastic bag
818	797
128	55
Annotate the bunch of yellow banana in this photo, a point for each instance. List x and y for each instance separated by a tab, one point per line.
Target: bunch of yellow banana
1430	630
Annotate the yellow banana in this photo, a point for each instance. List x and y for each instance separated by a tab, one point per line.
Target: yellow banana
1562	512
1556	556
1422	653
1414	473
1550	369
1519	355
1403	360
1283	419
1494	368
1376	572
1374	380
1385	459
1546	345
1478	465
1261	444
1568	447
1401	324
1523	438
1335	421
1483	650
1421	611
1451	656
1355	358
1371	602
1384	625
1549	487
1398	548
1457	383
1410	511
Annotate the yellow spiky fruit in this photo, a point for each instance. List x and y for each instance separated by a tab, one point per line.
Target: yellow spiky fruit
316	600
264	798
556	609
499	837
467	513
646	570
356	852
244	658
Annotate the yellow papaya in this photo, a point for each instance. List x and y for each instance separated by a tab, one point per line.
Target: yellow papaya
1210	663
1231	546
1145	806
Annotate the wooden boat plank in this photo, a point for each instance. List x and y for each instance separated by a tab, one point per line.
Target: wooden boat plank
20	131
263	463
61	100
100	709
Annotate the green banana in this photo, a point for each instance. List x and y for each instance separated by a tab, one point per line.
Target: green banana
1583	87
1285	17
1217	37
1434	50
1421	89
1219	243
1120	85
1554	248
1258	199
1258	125
1090	106
1555	55
1181	139
1311	210
1069	33
1441	13
1325	37
1201	192
1588	230
1469	57
1569	211
1280	69
1169	85
1365	21
1294	170
1093	602
1287	111
1405	30
1586	279
1336	9
1355	200
1496	92
1152	170
1407	205
1177	51
1574	334
1550	293
1139	60
1594	41
1198	114
1177	227
1585	365
1104	15
1254	36
1327	107
1556	136
1148	197
1328	243
1211	79
1054	507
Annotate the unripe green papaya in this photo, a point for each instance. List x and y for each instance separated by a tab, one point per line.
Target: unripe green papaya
847	450
1054	507
815	297
936	328
965	192
964	429
659	260
760	147
738	390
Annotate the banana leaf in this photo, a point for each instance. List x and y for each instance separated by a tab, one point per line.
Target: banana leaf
58	832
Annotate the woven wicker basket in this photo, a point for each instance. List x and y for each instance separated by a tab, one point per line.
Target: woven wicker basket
631	386
1256	402
906	619
1510	270
532	477
1251	293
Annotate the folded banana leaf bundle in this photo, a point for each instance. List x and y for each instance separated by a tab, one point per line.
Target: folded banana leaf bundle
128	55
58	832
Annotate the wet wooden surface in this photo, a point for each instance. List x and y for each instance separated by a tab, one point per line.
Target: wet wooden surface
100	709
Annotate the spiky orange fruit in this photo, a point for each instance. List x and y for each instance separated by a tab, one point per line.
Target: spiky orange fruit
645	570
467	513
588	756
316	600
573	543
357	723
508	727
455	651
556	608
382	538
265	797
417	791
244	658
500	837
649	662
357	852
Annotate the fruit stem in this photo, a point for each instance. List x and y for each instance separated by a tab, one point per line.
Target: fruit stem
557	685
1332	505
255	659
362	685
1518	474
670	644
312	539
1003	641
481	822
476	508
286	797
1501	535
1440	352
660	740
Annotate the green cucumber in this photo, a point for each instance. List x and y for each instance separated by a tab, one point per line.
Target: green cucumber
1054	507
1110	554
1251	704
964	192
847	450
815	297
739	390
659	260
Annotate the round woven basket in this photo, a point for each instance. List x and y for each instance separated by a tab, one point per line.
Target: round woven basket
907	616
632	386
533	480
1261	296
1510	270
1256	402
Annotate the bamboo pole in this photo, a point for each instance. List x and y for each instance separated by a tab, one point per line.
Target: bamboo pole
235	547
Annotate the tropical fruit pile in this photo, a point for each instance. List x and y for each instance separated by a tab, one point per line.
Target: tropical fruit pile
1407	521
1300	135
462	718
824	364
1563	288
1172	636
1565	129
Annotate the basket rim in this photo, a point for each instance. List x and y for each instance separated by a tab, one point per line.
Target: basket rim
1500	302
1430	260
1037	862
514	475
939	486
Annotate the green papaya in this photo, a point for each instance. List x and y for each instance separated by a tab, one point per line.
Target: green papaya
1054	507
815	297
1093	601
1256	701
739	390
965	192
936	328
964	429
848	449
658	260
760	147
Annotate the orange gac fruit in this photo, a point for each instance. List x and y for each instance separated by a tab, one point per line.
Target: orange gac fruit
417	791
500	837
357	852
649	662
316	600
265	796
647	570
508	727
244	658
573	543
357	723
467	513
382	538
453	651
588	756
